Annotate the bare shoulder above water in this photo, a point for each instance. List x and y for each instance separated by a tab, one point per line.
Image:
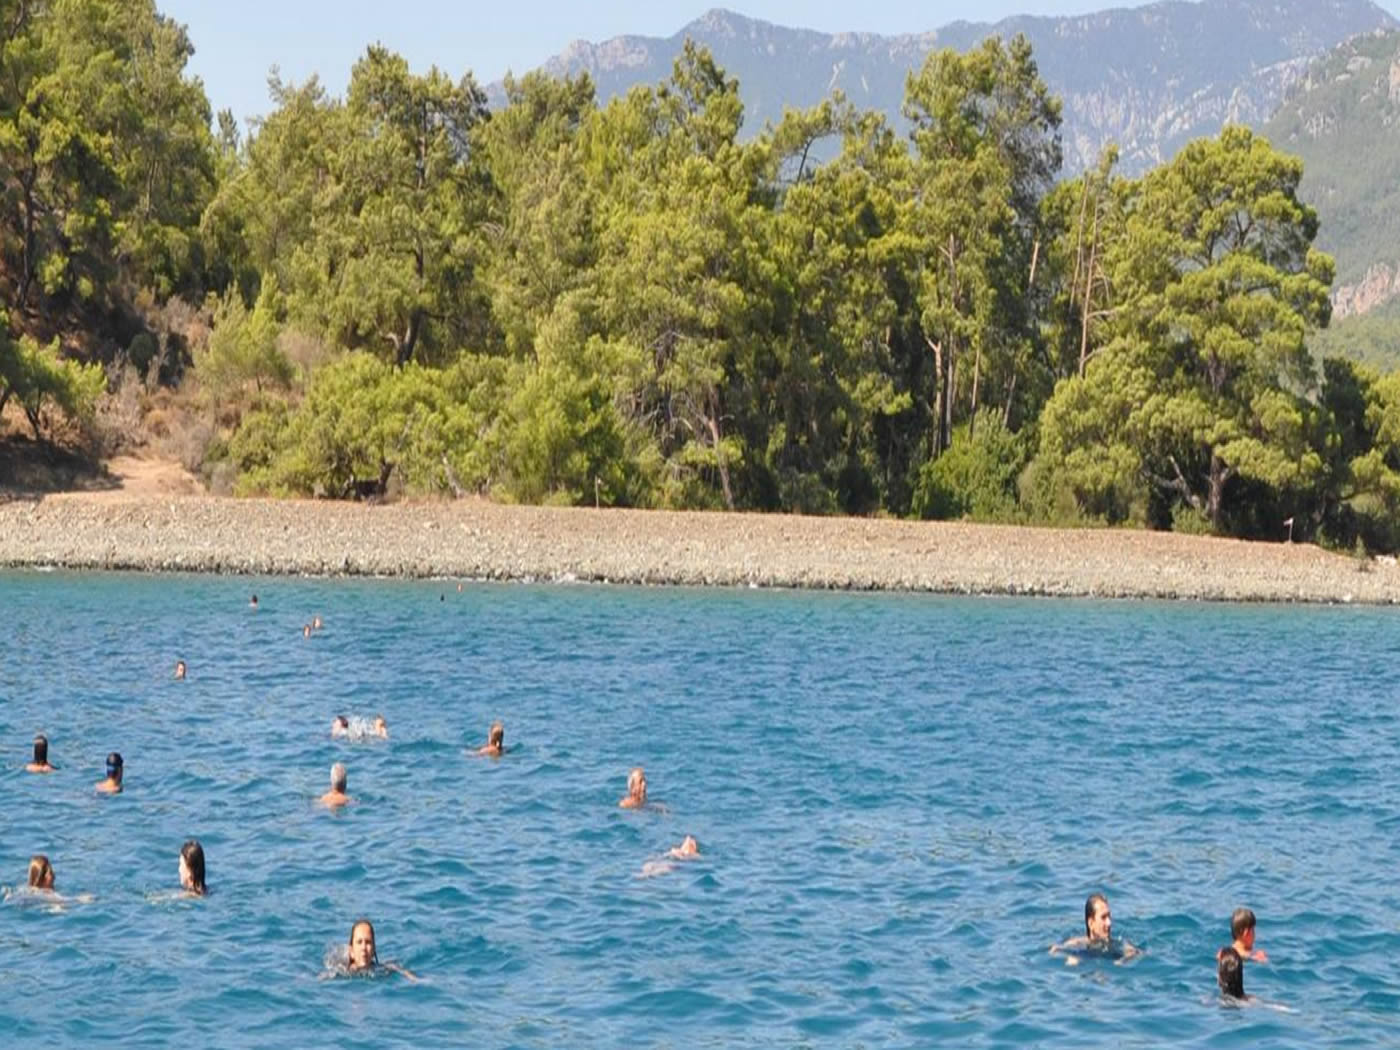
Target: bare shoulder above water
169	530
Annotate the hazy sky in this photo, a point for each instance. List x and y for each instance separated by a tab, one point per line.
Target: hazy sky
237	43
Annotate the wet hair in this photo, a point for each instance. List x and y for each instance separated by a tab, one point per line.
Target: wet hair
40	870
338	777
1090	906
496	735
1229	973
1241	922
114	765
341	721
639	778
193	854
41	749
350	944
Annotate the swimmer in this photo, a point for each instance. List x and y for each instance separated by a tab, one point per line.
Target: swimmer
689	849
306	630
340	726
1098	935
636	790
179	670
253	602
363	957
1229	973
336	796
113	784
192	869
380	727
1242	930
40	873
41	756
495	745
316	623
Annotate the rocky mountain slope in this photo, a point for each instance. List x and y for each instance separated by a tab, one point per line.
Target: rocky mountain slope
1343	119
1148	78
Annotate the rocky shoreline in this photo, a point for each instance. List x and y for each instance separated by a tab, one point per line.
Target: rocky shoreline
473	539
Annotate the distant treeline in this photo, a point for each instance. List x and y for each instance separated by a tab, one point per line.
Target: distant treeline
628	305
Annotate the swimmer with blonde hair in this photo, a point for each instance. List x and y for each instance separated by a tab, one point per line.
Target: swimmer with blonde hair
380	727
362	956
192	869
689	849
113	784
179	670
636	797
336	796
41	756
40	873
495	745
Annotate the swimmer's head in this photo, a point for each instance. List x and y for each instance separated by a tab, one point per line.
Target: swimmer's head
253	601
40	872
306	630
340	724
179	668
362	953
496	735
114	767
1242	924
689	847
41	750
381	727
637	785
1229	973
192	867
338	778
1098	920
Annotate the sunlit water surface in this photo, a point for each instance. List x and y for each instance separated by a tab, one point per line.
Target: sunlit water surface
901	801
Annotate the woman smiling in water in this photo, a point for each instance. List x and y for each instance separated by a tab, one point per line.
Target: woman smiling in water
362	957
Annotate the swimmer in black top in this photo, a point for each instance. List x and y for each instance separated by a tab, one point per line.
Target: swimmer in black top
1229	973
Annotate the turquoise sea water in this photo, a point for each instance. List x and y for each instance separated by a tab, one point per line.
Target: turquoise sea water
901	801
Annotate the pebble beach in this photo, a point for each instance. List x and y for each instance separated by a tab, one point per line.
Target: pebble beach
475	539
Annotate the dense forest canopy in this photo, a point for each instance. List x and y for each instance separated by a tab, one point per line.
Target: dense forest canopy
629	304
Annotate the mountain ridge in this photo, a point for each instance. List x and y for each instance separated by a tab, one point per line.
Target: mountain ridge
1174	71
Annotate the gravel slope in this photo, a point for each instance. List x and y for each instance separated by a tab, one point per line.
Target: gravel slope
477	539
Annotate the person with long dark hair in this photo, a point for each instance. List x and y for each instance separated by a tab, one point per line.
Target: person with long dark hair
41	756
192	868
362	955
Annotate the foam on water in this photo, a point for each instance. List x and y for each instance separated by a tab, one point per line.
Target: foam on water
902	801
